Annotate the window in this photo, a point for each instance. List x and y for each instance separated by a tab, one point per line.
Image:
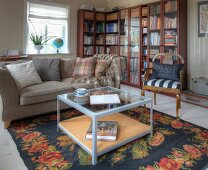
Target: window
49	19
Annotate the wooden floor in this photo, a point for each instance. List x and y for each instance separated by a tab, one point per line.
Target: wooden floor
11	160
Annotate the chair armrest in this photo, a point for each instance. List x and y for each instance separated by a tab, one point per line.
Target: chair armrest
9	94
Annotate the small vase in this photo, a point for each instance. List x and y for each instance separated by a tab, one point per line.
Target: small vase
38	48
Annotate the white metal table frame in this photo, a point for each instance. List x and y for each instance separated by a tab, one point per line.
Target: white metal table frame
95	115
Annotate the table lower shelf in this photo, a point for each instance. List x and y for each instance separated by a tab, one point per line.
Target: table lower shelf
128	130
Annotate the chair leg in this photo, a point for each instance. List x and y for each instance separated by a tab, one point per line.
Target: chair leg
142	92
180	103
6	124
155	98
178	98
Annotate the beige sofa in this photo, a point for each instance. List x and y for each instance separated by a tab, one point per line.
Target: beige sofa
41	98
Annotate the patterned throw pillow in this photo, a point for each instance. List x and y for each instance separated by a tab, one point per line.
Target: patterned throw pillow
84	67
101	68
166	71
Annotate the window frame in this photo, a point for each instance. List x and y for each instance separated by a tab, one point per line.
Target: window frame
25	26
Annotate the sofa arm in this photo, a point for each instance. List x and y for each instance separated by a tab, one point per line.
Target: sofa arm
9	94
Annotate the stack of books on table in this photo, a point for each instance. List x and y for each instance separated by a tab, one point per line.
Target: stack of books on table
106	130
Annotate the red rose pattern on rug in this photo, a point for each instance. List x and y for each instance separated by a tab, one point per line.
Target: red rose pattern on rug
43	151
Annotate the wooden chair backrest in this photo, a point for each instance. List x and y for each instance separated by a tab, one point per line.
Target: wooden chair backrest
169	58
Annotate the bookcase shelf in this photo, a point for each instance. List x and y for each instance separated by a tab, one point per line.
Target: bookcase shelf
136	34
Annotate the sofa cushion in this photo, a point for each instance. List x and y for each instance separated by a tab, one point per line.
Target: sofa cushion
24	74
101	67
67	81
48	69
84	67
43	92
67	67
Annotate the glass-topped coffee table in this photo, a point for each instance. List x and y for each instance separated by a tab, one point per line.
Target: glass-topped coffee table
128	129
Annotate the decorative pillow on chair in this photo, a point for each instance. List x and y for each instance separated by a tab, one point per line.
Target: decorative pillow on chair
101	67
84	67
48	69
24	74
166	71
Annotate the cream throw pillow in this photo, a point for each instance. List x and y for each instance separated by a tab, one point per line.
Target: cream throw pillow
24	74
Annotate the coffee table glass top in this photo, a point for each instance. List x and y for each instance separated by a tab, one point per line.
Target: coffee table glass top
128	100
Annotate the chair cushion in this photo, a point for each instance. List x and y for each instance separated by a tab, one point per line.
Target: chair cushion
48	69
166	71
163	83
43	92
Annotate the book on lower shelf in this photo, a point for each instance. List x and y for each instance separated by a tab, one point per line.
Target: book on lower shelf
106	130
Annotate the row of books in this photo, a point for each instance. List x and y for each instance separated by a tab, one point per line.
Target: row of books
154	38
145	64
88	40
106	130
88	26
100	50
170	22
134	77
153	52
100	39
124	51
88	50
155	22
112	39
144	51
111	27
155	9
112	50
134	64
89	15
112	16
124	39
144	30
100	17
144	22
145	40
135	37
170	37
144	11
171	6
171	50
100	27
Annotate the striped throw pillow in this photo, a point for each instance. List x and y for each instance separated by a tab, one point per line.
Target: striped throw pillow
84	67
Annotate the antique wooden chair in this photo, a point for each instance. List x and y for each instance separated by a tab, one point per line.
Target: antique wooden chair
165	85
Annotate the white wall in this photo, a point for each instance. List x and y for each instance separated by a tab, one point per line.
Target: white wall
12	17
197	47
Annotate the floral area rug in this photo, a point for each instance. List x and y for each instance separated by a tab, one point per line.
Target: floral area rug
176	144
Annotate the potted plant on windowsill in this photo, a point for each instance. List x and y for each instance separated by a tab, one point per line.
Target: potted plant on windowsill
39	40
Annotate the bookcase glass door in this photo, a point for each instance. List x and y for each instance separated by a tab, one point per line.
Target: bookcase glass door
112	26
135	46
154	30
88	34
124	44
170	26
100	33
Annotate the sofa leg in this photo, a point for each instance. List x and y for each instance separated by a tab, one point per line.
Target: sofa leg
6	124
155	98
178	98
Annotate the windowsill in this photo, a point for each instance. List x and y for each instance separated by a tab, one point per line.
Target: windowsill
44	54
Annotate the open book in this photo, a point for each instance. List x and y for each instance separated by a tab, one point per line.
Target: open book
105	99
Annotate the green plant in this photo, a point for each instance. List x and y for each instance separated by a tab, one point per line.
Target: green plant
39	39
